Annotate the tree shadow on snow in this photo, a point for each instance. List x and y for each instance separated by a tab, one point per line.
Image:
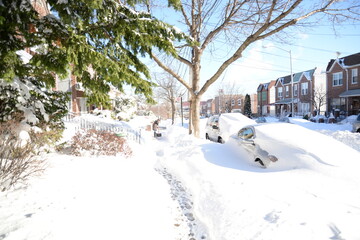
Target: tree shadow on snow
226	155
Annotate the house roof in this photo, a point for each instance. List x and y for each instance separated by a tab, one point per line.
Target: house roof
297	76
266	86
260	87
350	93
344	62
284	80
308	74
272	83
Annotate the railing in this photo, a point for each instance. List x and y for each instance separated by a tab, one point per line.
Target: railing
118	129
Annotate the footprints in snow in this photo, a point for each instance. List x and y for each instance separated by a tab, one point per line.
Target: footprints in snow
272	217
179	194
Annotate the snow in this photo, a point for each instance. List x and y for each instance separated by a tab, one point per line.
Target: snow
25	57
181	187
231	123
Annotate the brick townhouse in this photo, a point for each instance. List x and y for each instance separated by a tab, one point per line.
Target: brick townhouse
297	93
343	85
266	98
77	104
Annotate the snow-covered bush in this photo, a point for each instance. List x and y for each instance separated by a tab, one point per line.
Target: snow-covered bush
124	107
33	104
94	142
19	158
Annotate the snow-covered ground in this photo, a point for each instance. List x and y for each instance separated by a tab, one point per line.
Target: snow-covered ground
179	187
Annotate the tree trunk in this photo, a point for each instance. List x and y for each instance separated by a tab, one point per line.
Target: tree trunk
195	115
172	111
190	117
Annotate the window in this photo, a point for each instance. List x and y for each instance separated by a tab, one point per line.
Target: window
232	102
287	91
305	107
337	103
239	101
264	96
280	92
354	76
304	88
337	79
295	90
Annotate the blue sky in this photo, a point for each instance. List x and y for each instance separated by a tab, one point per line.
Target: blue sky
310	48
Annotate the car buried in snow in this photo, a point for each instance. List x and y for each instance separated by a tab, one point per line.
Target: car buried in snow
356	125
220	127
247	138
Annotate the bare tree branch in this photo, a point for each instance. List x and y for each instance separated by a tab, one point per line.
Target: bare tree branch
171	72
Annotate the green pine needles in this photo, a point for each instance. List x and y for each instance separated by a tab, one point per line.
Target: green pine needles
98	41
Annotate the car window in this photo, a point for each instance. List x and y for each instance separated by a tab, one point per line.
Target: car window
215	121
358	118
210	121
246	133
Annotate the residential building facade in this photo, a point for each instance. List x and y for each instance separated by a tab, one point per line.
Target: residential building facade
266	99
210	107
254	103
296	93
343	85
77	104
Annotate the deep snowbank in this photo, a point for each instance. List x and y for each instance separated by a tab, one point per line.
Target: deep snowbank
210	190
235	199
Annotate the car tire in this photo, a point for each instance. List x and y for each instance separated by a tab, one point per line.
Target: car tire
260	161
220	140
207	136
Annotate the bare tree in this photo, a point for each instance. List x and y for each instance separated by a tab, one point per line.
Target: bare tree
230	96
241	22
319	98
169	89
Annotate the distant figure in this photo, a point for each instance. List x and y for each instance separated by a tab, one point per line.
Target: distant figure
156	127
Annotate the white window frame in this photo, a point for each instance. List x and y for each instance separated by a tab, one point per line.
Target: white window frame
239	101
304	88
232	102
280	91
287	91
354	76
337	79
295	90
305	107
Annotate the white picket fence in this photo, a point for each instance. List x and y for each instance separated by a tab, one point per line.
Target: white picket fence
118	129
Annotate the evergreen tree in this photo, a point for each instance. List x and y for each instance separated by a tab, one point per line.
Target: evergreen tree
247	106
78	34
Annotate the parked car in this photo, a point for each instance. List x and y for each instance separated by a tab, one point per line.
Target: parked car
212	129
220	127
246	138
260	119
356	125
279	145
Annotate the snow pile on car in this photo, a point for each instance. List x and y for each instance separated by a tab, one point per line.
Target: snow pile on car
231	123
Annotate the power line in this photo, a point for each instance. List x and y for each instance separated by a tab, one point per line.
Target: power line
287	57
331	34
312	48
